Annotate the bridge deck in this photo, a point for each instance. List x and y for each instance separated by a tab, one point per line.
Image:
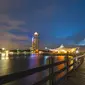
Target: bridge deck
76	77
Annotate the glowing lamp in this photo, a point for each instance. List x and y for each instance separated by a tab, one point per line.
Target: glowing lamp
3	48
36	34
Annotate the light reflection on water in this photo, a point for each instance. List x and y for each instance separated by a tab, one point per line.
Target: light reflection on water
4	65
11	64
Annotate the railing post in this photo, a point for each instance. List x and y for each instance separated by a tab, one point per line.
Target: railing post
67	59
74	61
67	65
51	61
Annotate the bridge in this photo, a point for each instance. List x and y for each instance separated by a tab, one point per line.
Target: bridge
58	71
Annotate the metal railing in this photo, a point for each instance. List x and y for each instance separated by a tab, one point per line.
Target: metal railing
50	77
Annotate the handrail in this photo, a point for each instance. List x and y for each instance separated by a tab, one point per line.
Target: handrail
80	56
14	76
49	77
17	75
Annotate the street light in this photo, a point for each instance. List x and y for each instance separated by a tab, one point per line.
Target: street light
3	48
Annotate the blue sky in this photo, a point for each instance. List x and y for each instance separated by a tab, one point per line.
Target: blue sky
57	22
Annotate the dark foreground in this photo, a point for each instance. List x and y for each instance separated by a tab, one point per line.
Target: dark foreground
77	77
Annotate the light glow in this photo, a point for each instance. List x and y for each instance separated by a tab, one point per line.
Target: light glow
11	53
77	51
36	33
2	58
7	58
7	53
2	54
3	48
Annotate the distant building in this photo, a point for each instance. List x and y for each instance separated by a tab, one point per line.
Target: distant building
63	49
35	42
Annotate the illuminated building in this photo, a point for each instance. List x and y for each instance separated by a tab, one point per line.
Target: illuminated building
63	49
35	42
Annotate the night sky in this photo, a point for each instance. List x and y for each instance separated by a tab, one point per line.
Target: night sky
56	21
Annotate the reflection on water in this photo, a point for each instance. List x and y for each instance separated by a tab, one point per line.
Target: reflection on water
4	58
4	65
16	63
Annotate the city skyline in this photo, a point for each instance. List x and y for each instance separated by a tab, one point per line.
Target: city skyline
57	22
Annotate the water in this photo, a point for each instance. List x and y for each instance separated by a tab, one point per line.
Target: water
17	63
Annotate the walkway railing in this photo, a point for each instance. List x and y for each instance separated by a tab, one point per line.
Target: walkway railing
50	77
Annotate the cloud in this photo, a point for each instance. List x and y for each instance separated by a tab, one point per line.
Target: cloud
7	23
9	5
22	5
7	40
11	40
77	37
7	35
82	42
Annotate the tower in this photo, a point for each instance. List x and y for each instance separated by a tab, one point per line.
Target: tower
35	42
